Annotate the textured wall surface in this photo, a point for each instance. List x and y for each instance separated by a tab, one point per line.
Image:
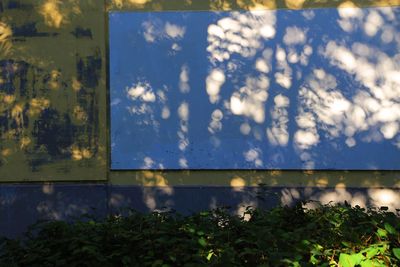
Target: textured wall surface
22	205
53	87
52	90
53	125
272	89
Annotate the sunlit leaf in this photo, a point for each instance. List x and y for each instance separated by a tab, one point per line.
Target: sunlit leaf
371	252
346	260
381	233
367	263
390	229
396	252
210	254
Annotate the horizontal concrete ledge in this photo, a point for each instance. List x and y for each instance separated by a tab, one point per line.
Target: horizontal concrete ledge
23	204
280	178
163	5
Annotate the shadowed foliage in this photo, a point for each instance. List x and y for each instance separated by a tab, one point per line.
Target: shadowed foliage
325	236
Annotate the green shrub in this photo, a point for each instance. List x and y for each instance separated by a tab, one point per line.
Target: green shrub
284	236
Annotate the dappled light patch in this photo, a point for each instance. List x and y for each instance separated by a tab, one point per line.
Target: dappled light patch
384	197
48	188
289	94
155	184
294	4
129	3
239	33
322	182
338	195
183	113
237	182
76	85
17	116
214	81
294	36
214	5
78	153
243	207
215	122
51	80
5	39
157	179
47	208
25	142
141	91
360	200
255	5
6	152
278	134
6	100
284	76
289	196
80	114
51	13
254	156
118	200
157	30
38	105
57	13
184	78
54	80
249	100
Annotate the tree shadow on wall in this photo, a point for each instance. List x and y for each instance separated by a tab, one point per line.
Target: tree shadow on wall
50	74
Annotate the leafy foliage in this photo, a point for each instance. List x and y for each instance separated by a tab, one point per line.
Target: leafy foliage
328	235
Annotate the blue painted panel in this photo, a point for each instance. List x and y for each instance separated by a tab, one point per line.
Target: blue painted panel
311	89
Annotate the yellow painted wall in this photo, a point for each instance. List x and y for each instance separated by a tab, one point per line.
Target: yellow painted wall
53	96
52	90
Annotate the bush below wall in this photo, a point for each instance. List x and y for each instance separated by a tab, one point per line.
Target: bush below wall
284	236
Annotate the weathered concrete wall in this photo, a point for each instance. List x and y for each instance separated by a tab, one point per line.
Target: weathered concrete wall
52	91
53	125
24	204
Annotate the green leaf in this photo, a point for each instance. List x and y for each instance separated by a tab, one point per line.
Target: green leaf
383	248
346	244
371	252
390	229
314	260
396	252
372	263
367	263
200	233
157	263
346	260
358	258
381	233
210	254
202	241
